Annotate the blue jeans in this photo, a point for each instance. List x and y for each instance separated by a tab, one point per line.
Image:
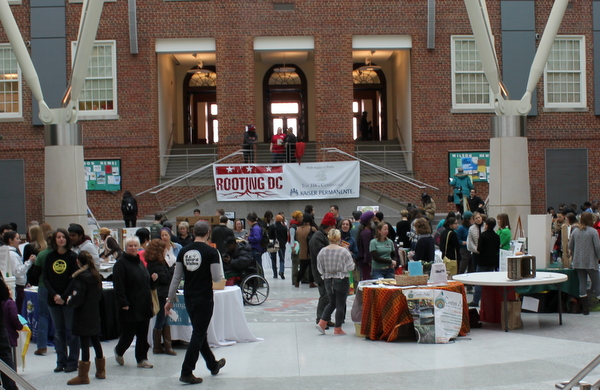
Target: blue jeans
281	253
62	316
386	273
337	290
477	293
257	256
200	312
43	316
161	319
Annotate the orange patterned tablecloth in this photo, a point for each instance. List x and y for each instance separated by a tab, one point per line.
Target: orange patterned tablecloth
385	310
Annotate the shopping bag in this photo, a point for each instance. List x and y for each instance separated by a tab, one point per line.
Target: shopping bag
155	305
514	315
451	266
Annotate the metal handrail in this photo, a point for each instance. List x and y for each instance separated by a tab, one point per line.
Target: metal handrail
576	381
8	371
178	179
406	179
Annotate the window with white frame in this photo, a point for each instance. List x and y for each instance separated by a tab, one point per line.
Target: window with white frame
564	75
98	97
10	84
470	87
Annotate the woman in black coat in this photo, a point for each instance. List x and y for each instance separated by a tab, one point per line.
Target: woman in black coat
5	349
132	291
488	258
161	275
59	266
85	302
449	244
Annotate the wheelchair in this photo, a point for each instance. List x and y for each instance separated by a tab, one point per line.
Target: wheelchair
255	288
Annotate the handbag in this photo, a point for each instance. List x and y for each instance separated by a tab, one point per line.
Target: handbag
450	198
273	246
155	306
451	265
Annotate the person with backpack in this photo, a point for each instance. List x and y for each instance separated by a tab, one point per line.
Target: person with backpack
256	238
129	208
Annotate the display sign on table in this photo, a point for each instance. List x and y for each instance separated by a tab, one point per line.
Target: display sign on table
102	175
437	314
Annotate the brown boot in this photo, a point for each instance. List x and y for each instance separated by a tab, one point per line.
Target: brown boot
166	333
157	338
82	377
101	368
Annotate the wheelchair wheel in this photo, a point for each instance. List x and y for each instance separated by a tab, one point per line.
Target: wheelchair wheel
255	289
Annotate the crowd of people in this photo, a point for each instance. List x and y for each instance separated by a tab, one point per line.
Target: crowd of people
64	264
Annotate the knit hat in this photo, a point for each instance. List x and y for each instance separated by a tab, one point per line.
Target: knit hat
329	220
467	214
366	217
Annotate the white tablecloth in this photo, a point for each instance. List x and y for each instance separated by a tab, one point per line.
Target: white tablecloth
227	326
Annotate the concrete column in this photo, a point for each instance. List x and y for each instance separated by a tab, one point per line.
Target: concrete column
509	169
65	197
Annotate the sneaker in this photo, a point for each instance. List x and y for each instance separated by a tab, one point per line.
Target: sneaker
190	378
220	364
118	358
282	276
473	304
144	364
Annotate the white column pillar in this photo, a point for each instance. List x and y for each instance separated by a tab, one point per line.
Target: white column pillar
509	170
65	197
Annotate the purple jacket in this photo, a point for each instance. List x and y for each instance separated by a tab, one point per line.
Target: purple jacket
11	321
255	237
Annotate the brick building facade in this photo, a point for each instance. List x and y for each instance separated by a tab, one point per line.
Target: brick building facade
418	96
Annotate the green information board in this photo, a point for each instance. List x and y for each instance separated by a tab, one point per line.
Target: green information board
102	175
476	164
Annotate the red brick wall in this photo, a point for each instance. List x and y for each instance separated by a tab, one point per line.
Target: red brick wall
234	24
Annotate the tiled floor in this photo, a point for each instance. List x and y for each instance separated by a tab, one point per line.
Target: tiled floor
294	355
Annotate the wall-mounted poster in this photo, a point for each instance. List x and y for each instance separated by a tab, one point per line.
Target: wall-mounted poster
102	175
476	164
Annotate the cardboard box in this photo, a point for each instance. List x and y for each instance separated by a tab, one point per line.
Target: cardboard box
520	267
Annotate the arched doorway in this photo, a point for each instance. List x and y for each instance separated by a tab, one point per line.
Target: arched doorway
285	100
200	112
370	97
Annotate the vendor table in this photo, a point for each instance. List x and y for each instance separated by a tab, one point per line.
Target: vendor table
500	280
108	313
385	310
571	286
227	326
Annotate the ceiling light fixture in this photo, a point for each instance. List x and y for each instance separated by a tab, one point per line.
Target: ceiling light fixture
284	69
368	66
198	68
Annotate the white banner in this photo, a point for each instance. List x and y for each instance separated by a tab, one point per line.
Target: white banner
243	182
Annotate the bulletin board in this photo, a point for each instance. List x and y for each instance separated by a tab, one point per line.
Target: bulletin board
476	164
102	175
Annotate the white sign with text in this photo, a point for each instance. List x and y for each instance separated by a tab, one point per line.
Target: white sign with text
243	182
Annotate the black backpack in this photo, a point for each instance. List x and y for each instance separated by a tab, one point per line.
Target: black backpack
264	240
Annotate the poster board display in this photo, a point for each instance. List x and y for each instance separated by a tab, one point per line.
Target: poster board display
212	219
476	164
437	314
102	175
